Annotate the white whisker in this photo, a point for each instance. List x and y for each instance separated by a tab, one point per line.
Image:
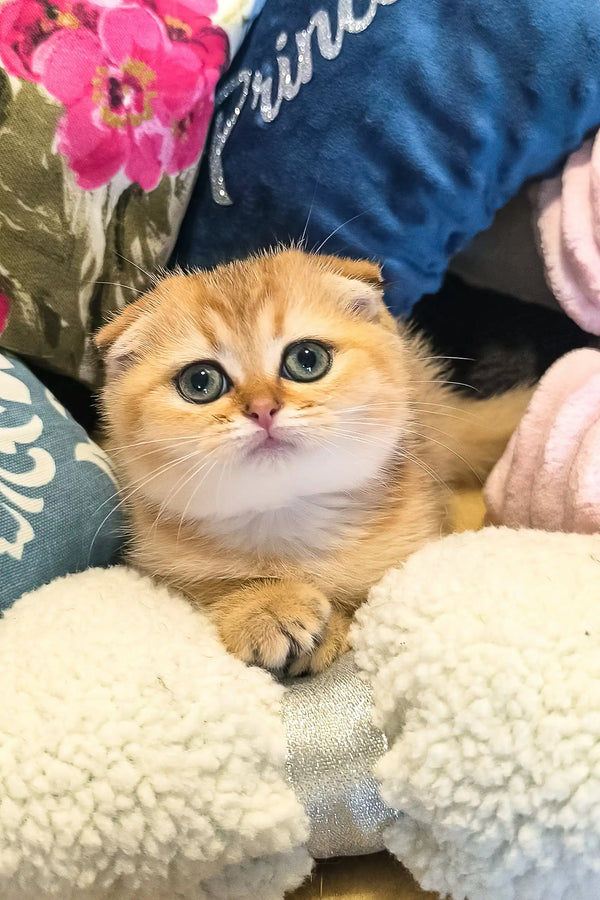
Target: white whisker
339	228
141	483
134	264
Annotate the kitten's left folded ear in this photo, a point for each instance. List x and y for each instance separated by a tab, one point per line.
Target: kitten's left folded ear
362	293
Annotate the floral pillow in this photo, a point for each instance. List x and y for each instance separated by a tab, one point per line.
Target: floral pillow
59	511
104	110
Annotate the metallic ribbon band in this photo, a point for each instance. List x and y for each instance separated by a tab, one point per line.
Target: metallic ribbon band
332	749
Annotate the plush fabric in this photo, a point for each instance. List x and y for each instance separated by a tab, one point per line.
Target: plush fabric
104	109
143	761
391	129
486	681
58	506
569	233
548	475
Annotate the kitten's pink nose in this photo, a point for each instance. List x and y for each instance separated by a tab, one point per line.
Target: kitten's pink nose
263	412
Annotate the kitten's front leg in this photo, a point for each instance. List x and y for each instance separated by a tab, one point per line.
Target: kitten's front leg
275	624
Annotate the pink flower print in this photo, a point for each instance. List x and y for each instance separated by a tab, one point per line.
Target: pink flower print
185	140
189	23
183	19
4	311
126	90
26	24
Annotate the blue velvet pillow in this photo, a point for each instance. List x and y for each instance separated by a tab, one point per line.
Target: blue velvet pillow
58	507
391	129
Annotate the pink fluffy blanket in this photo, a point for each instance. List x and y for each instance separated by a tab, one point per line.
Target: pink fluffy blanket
549	475
568	223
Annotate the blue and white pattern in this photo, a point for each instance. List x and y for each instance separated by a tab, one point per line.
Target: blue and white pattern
58	504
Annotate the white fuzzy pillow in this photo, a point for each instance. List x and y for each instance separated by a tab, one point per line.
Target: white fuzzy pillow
138	759
484	656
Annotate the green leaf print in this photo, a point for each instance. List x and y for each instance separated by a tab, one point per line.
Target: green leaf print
138	232
42	250
5	96
139	240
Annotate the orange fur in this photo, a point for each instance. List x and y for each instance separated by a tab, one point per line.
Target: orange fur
280	550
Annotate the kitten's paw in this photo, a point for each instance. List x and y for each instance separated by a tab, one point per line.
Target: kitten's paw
273	624
333	643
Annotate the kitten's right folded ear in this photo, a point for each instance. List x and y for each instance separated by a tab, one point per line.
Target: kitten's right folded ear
119	339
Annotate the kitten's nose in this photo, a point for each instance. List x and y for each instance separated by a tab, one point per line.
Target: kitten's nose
263	412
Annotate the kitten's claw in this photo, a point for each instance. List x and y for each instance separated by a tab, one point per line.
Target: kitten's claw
273	624
334	642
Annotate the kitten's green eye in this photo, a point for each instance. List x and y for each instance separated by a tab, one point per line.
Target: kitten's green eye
306	361
202	382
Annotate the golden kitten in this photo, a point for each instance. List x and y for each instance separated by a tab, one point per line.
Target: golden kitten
281	441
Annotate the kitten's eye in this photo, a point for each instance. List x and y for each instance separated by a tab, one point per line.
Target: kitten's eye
306	361
202	382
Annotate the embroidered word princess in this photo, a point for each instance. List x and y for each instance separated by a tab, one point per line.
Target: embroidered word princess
266	95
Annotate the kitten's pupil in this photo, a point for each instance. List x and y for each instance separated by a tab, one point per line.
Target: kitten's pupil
200	381
307	359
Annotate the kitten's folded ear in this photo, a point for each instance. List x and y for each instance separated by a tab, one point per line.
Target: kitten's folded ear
120	338
357	269
363	292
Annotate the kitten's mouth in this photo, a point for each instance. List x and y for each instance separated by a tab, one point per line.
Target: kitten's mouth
267	445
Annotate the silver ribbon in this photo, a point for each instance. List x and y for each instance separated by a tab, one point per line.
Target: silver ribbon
333	747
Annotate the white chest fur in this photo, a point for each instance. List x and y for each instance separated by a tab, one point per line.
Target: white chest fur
308	527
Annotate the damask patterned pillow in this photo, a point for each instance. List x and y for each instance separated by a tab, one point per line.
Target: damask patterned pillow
104	108
58	507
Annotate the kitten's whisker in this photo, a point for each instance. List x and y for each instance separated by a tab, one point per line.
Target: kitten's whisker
420	406
467	464
312	203
185	478
428	408
141	482
400	426
136	457
330	444
424	466
147	478
425	437
404	404
366	440
169	440
399	450
439	405
125	287
373	439
471	387
427	412
135	265
339	228
410	431
459	358
191	499
224	468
